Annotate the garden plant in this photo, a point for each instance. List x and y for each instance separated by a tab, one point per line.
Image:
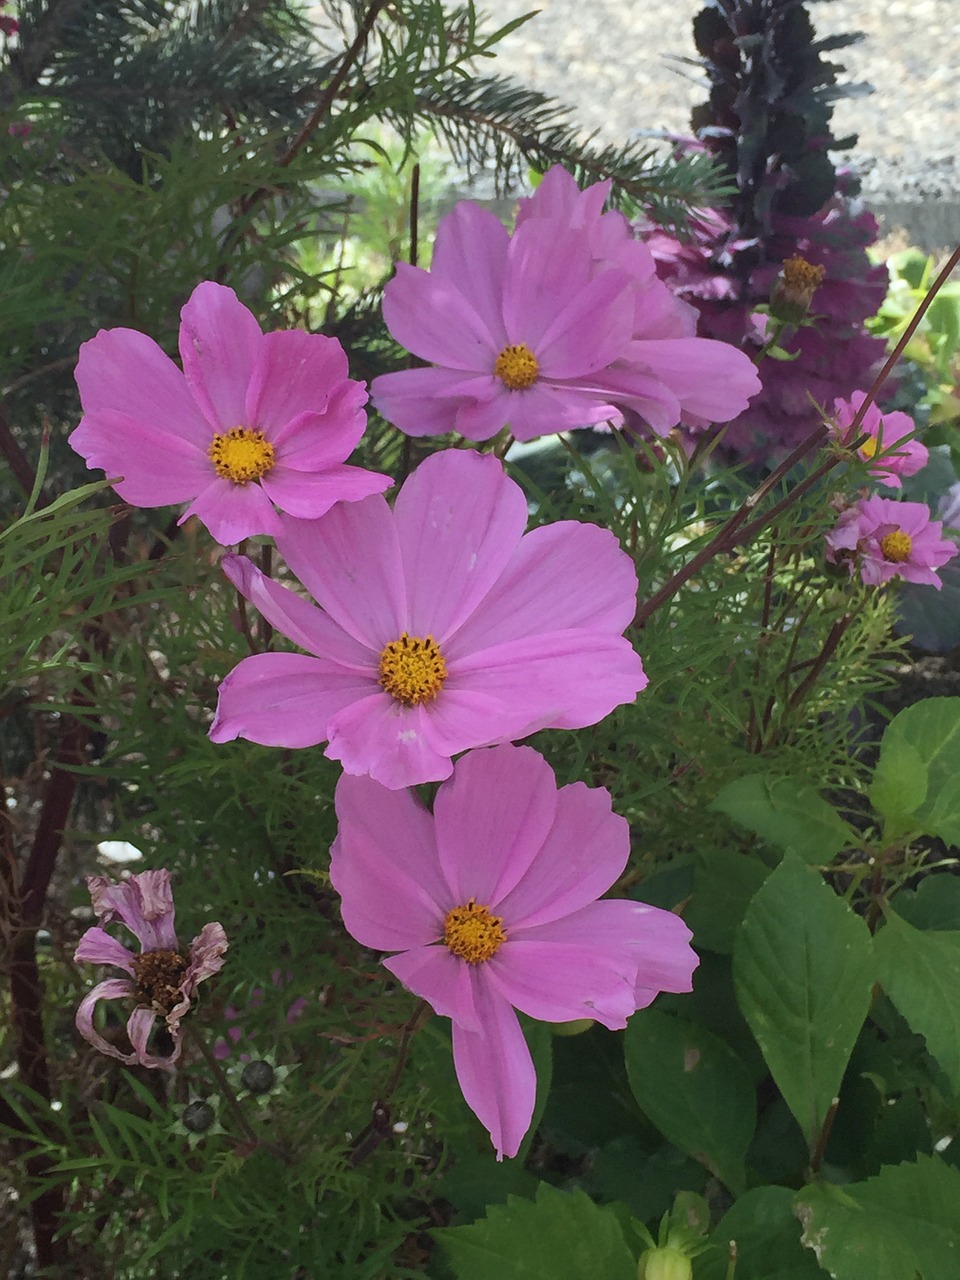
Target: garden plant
466	811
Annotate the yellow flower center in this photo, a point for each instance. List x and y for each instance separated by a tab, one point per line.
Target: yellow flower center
412	670
517	367
472	933
896	546
801	279
157	977
241	455
869	447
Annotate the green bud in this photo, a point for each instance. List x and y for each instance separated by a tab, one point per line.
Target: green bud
664	1264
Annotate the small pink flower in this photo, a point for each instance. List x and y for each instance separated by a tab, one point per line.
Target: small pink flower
887	539
162	980
491	904
886	430
444	626
560	325
255	419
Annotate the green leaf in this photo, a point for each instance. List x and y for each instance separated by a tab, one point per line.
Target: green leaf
899	785
788	814
920	972
559	1234
902	1223
767	1236
803	971
695	1090
724	882
932	729
934	904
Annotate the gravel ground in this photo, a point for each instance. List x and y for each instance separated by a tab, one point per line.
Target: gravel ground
615	62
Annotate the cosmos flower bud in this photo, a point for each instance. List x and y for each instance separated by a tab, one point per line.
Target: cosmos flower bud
793	289
664	1264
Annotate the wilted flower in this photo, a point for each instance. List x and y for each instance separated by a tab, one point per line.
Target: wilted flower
444	627
793	289
162	979
887	539
254	419
884	431
561	324
491	904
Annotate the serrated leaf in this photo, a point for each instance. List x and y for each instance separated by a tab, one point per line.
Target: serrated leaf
803	970
767	1236
903	1223
899	785
934	904
724	883
920	972
559	1234
694	1088
789	814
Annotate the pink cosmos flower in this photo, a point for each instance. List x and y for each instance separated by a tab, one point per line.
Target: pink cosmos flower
887	539
161	980
560	325
443	627
254	419
886	431
491	904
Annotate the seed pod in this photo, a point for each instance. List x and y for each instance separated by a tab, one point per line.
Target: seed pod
198	1116
258	1077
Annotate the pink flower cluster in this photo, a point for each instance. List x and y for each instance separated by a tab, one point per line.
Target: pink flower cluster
890	449
441	626
562	324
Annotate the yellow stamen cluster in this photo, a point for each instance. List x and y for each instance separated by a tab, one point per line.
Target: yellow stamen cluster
241	455
517	367
896	546
801	279
412	670
869	447
472	933
157	976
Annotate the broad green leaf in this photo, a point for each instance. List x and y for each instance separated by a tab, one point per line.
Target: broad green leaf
934	904
899	785
803	971
788	814
932	729
920	972
767	1236
695	1090
560	1234
903	1223
724	882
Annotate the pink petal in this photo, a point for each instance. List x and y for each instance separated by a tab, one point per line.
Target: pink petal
584	853
232	512
428	314
313	441
547	267
205	957
471	250
561	576
390	742
420	402
144	903
712	380
560	680
98	947
112	989
158	467
491	820
284	700
592	331
440	978
219	346
122	371
385	867
310	494
299	620
496	1071
349	561
482	418
139	1027
561	982
459	520
294	373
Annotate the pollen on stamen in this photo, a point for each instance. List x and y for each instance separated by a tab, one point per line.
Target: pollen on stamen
412	669
473	933
157	977
896	546
240	455
517	367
